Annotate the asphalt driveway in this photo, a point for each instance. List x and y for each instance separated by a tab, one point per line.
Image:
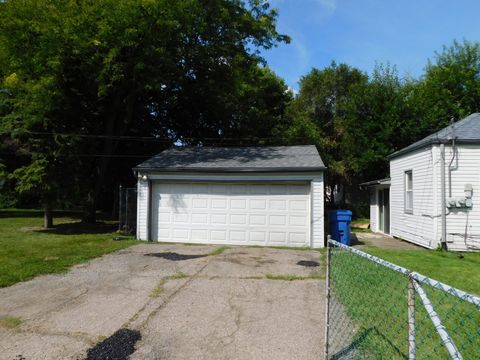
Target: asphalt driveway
244	303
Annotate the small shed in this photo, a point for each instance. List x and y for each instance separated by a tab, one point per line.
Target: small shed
379	205
232	195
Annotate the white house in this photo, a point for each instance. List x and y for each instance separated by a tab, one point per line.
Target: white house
242	196
432	197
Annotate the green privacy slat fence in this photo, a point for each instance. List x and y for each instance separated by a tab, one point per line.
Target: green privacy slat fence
376	309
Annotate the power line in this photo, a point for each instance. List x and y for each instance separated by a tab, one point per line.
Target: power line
87	155
159	139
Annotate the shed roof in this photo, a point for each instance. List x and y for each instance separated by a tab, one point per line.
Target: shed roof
385	181
464	131
231	159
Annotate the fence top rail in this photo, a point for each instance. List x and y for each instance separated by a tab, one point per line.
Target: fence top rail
475	300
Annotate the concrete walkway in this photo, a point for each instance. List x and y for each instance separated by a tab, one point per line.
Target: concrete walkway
363	239
185	303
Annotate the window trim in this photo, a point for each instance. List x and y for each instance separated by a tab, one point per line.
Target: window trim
406	191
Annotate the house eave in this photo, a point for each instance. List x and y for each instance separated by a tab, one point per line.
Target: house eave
427	144
229	170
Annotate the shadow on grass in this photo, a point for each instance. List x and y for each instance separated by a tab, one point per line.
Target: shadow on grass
355	241
23	213
369	343
78	228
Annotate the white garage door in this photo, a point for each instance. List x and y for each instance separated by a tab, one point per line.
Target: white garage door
254	214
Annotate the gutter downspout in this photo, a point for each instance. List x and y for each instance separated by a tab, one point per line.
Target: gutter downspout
443	199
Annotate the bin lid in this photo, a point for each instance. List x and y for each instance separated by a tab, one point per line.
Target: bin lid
340	214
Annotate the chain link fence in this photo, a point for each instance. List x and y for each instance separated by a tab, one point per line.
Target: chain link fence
127	209
378	310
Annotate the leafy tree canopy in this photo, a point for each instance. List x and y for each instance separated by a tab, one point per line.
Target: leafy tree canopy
178	70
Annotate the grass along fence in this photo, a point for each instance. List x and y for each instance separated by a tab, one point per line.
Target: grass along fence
376	309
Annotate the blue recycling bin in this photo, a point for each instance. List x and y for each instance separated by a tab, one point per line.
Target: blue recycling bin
340	225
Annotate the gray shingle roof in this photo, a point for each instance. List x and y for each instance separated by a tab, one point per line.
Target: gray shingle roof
269	158
464	131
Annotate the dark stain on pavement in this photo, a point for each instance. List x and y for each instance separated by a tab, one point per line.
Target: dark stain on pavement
173	256
308	263
119	346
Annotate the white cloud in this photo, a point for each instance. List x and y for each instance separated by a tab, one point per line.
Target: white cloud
329	4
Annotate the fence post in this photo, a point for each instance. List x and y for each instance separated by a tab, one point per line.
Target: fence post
120	207
126	209
411	318
327	297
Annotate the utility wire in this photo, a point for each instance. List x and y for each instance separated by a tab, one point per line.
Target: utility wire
158	139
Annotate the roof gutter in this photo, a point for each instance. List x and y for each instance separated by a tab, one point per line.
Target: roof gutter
429	143
443	197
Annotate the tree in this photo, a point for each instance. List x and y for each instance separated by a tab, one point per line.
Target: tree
84	74
379	119
317	115
450	88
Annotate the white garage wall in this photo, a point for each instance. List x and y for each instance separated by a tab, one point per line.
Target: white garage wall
373	209
142	209
318	214
316	225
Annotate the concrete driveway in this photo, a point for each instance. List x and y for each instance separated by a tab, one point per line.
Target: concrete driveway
185	303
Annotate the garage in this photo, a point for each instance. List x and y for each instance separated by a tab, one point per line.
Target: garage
268	196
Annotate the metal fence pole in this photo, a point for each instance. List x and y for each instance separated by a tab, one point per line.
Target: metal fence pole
120	207
327	298
126	209
437	323
411	319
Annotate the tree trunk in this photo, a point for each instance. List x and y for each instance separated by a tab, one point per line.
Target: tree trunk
47	217
90	210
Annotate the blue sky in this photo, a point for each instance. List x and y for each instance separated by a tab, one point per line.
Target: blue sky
360	33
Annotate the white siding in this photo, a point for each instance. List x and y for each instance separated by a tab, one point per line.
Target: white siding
461	220
316	208
420	226
142	209
373	209
317	216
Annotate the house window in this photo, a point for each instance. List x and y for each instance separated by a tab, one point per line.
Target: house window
408	191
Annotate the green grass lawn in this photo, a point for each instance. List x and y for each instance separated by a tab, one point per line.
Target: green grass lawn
360	225
26	250
372	299
458	270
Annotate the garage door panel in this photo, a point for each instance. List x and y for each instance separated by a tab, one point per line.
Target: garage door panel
298	205
199	219
200	235
238	204
260	214
218	203
238	219
277	204
258	204
218	235
297	220
200	203
218	219
256	220
277	238
278	220
257	236
237	235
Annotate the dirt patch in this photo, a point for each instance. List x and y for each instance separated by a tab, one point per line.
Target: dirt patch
119	346
173	256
